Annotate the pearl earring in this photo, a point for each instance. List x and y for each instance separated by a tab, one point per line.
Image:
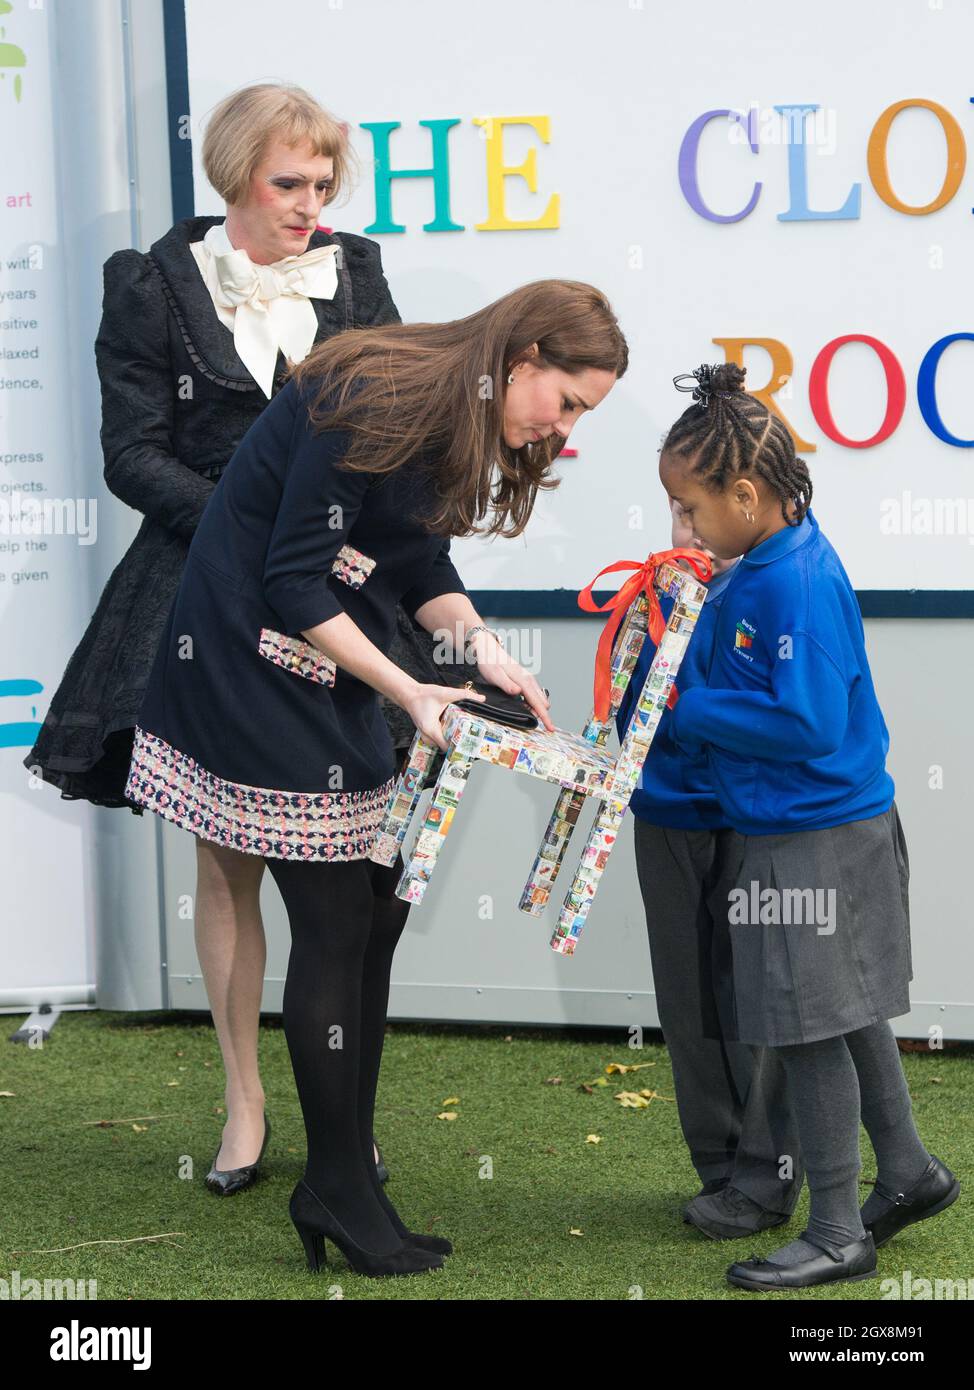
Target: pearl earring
749	516
510	378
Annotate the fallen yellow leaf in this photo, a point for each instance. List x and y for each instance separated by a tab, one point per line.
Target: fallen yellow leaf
593	1139
140	1129
447	1115
632	1100
622	1067
574	1231
451	1100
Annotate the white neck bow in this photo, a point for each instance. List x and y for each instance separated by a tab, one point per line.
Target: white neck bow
266	305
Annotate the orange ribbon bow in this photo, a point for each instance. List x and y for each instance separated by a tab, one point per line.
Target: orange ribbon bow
643	579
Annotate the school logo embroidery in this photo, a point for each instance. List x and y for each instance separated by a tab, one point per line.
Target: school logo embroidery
743	638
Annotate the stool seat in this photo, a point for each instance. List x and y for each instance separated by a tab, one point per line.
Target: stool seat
564	757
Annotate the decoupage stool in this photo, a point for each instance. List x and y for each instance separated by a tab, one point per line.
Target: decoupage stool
580	764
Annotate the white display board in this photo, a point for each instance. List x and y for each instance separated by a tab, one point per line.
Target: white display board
47	525
607	109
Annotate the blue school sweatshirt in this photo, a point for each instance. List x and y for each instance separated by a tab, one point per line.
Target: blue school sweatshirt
675	788
794	735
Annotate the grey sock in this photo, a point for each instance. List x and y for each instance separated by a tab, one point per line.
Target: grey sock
887	1113
824	1093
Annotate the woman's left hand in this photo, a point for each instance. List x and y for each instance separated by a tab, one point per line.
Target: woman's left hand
496	666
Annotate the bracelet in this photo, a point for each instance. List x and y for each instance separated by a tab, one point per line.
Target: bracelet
472	631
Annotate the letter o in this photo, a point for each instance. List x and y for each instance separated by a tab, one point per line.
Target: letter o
927	390
818	398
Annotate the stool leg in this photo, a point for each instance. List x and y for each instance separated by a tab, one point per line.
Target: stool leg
537	889
450	786
601	840
403	802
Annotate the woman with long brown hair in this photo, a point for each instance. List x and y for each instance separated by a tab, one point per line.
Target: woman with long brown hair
261	728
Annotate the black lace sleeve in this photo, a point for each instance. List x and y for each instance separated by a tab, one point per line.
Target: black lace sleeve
138	399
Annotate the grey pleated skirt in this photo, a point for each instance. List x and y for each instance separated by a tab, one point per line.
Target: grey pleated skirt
817	929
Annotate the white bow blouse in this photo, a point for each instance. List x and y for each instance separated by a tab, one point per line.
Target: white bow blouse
265	306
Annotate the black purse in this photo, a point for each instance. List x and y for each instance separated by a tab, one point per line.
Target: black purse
512	710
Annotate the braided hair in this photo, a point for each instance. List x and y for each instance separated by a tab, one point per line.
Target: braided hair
728	433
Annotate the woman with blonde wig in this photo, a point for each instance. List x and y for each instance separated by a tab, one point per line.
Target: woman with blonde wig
197	336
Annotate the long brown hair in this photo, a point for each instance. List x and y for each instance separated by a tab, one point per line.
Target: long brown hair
404	390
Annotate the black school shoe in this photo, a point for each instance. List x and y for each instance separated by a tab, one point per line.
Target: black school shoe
845	1263
935	1190
714	1185
728	1214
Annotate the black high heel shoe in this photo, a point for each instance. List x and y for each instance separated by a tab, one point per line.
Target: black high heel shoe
313	1222
226	1181
439	1245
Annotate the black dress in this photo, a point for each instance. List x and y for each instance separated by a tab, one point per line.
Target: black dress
176	402
248	736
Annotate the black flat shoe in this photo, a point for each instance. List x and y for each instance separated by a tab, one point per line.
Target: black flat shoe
728	1214
847	1263
936	1189
381	1171
226	1181
313	1222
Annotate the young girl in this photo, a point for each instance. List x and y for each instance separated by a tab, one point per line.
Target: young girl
732	1099
817	883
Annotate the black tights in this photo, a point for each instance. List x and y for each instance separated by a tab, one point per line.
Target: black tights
345	923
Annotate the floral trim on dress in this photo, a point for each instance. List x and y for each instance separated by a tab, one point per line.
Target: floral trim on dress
303	658
296	655
352	567
254	820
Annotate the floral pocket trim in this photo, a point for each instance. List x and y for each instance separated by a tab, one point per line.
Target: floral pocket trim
297	656
352	567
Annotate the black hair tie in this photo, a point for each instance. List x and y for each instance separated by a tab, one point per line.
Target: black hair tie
703	389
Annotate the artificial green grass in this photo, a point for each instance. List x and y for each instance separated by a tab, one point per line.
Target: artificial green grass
69	1180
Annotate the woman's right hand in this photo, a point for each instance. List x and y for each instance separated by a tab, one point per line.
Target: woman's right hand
426	704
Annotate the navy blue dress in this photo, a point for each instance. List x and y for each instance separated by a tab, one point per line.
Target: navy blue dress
247	735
